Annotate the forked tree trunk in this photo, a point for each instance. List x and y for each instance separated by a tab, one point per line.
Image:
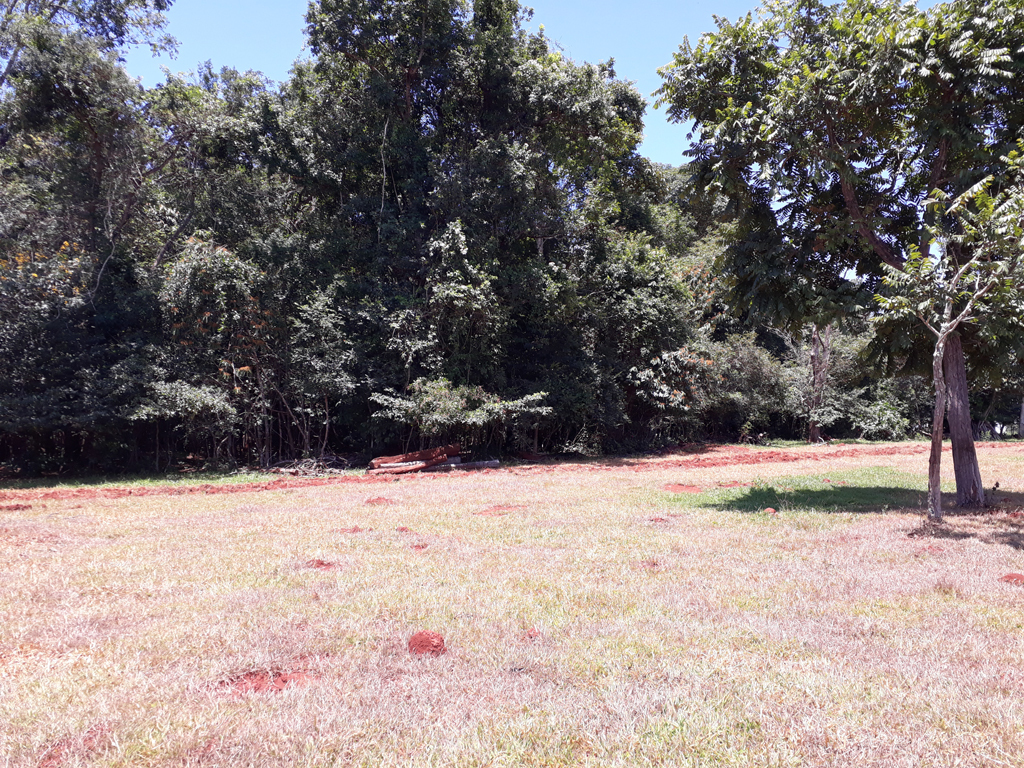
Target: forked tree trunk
969	490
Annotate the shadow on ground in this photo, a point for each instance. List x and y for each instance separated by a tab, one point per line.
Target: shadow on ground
1002	523
835	498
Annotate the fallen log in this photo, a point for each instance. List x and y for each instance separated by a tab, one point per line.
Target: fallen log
405	467
430	454
450	460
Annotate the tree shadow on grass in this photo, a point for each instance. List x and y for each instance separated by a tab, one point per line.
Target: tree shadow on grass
1002	523
835	498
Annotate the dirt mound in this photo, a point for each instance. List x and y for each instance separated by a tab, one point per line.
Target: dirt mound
321	565
426	642
65	750
499	510
1013	578
265	681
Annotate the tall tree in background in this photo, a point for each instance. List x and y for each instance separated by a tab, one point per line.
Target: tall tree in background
76	178
828	126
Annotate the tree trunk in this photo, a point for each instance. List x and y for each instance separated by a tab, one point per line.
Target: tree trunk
938	415
821	350
969	490
1020	425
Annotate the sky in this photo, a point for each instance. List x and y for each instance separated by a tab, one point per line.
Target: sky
267	35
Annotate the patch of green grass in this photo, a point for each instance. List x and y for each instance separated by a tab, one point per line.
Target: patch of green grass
199	477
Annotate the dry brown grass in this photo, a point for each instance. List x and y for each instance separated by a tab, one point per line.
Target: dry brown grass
597	620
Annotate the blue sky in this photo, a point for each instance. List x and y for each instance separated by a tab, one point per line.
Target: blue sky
267	35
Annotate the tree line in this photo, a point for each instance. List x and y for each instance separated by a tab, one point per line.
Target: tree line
439	227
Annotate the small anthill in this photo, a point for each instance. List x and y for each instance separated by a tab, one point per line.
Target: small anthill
771	511
426	642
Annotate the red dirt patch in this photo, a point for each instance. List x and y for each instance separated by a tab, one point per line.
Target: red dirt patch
426	642
88	744
683	488
771	511
265	681
733	484
531	634
1013	578
403	529
14	507
419	547
499	509
659	520
353	529
379	501
931	549
650	564
321	565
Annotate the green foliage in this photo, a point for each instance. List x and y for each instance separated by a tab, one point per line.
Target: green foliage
442	413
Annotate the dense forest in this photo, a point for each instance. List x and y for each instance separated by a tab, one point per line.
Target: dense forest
439	228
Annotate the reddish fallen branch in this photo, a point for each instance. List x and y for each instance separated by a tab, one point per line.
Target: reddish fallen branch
431	454
432	460
405	467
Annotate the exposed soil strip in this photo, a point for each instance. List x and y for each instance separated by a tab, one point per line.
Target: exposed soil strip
716	456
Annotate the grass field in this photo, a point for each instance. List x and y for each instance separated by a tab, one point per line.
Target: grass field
606	613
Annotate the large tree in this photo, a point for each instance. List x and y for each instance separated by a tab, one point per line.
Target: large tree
829	125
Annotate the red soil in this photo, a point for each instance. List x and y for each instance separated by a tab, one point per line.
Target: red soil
1013	578
499	509
683	488
733	484
426	642
419	547
265	682
659	519
87	744
321	565
353	529
403	529
14	507
771	510
532	633
379	501
712	456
